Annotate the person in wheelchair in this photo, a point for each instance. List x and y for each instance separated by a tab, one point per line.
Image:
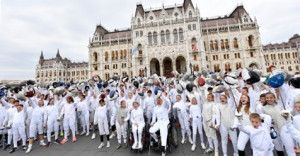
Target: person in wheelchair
160	121
138	123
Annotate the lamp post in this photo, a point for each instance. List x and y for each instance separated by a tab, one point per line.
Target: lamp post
145	72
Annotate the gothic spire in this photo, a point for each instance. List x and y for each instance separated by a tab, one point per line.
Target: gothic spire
58	54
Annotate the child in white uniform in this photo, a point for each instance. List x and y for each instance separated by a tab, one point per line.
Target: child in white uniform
101	119
138	123
122	117
196	117
261	141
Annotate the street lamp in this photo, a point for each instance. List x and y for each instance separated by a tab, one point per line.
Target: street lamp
145	72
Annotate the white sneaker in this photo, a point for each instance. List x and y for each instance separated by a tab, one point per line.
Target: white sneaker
209	150
112	135
216	153
42	143
140	146
82	133
29	149
235	154
203	146
87	134
101	145
163	154
193	147
190	140
93	136
183	141
134	145
108	144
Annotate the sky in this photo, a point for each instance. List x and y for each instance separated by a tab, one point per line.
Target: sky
28	27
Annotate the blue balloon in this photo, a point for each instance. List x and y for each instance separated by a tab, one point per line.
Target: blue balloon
99	85
276	81
2	93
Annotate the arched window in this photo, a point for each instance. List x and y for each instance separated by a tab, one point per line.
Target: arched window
150	38
113	55
250	40
227	67
124	54
162	37
194	44
222	45
181	34
116	55
216	68
227	44
211	45
155	38
168	36
190	14
235	43
121	54
216	45
106	56
95	56
175	34
238	65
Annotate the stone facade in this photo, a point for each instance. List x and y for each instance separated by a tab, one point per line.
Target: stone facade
284	55
60	69
176	37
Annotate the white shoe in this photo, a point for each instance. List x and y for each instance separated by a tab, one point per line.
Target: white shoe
29	149
93	136
82	133
87	134
183	141
108	144
216	153
101	145
163	154
42	143
193	147
209	150
134	145
140	146
112	135
190	140
235	154
203	146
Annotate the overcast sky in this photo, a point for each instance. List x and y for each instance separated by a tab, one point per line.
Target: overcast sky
29	26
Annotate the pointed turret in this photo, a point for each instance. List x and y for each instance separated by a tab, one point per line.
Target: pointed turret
58	54
41	58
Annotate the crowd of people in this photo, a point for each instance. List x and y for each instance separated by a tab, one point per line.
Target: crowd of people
219	108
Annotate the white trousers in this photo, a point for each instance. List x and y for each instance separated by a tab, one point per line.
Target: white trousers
121	132
137	131
69	124
162	126
36	126
225	131
197	127
287	141
184	124
211	136
19	132
242	141
85	121
52	126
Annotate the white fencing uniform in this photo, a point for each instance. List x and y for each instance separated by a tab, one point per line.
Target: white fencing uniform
101	119
69	115
261	141
211	118
3	114
149	105
195	115
183	117
37	121
138	123
226	122
243	138
18	128
84	115
122	117
51	115
160	121
281	124
8	122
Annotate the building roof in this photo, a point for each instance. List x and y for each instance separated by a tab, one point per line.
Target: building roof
292	43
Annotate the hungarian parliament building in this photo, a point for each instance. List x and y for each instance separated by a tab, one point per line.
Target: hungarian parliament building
177	38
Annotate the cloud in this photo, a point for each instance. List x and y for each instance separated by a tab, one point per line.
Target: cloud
27	27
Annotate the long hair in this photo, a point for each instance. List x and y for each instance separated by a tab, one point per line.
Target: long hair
247	107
